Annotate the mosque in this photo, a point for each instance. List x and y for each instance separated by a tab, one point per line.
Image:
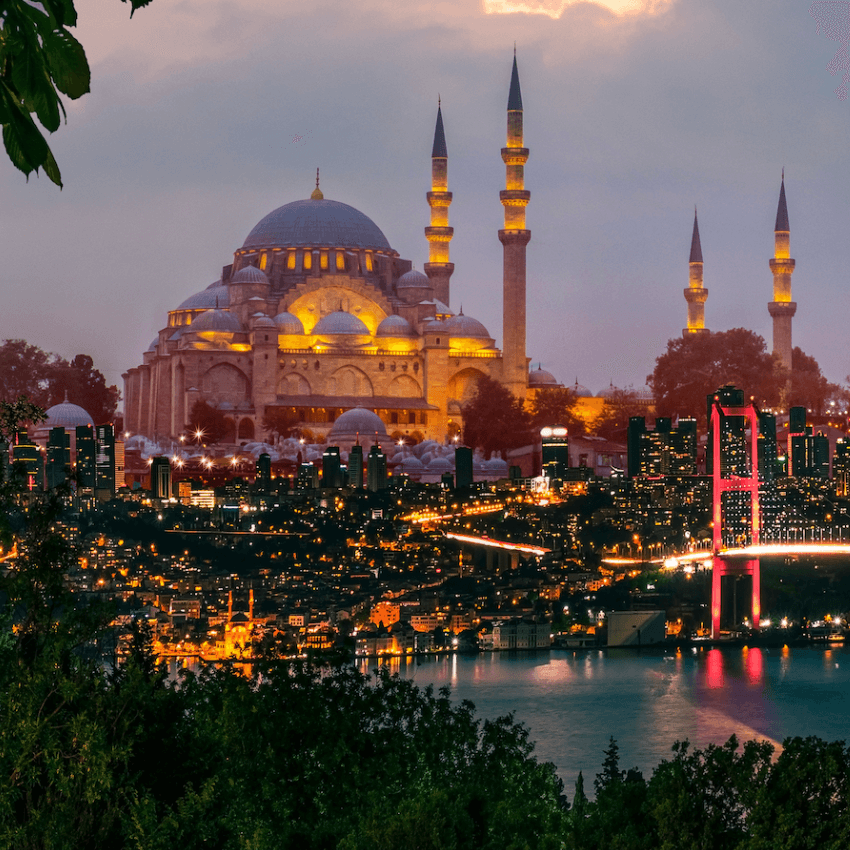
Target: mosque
318	314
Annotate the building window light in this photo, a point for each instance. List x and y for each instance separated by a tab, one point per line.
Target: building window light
323	260
290	260
308	260
340	261
369	267
263	262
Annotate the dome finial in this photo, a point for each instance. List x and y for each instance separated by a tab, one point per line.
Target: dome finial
66	397
317	192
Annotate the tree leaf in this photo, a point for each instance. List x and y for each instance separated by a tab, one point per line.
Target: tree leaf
136	4
67	63
63	11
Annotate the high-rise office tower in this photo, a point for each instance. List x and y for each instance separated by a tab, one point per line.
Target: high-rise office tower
160	478
355	466
463	466
104	462
85	461
555	452
58	457
376	469
263	476
331	467
27	461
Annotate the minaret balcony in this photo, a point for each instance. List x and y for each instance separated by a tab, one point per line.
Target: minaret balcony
514	156
514	197
439	234
439	199
781	309
779	266
696	296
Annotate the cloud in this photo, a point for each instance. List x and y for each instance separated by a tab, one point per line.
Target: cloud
556	8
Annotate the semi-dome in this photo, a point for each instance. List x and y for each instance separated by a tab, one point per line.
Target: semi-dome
249	274
154	344
216	320
66	415
539	377
465	326
414	278
340	322
288	324
395	326
317	222
215	295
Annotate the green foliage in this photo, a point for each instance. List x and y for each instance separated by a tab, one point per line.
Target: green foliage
40	60
280	422
494	419
555	406
613	419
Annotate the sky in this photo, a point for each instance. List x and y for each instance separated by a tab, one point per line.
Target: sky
205	115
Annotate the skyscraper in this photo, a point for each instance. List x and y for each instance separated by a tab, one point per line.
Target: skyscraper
331	467
355	466
554	452
376	470
58	457
160	478
463	466
104	462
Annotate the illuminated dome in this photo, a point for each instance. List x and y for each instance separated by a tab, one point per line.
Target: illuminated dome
413	278
465	326
249	274
541	378
65	415
215	295
288	324
395	326
357	424
340	323
317	222
216	320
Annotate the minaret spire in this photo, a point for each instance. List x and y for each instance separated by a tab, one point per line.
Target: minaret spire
514	237
316	194
782	308
696	294
439	234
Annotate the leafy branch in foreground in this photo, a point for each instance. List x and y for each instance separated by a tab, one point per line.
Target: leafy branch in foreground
39	60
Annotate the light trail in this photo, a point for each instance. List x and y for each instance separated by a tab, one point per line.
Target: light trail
787	549
498	544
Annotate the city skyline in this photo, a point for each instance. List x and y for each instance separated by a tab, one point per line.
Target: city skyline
195	130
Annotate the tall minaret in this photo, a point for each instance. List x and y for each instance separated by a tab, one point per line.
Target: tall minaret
782	308
696	293
439	234
514	238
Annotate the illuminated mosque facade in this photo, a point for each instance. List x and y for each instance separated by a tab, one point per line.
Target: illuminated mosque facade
318	314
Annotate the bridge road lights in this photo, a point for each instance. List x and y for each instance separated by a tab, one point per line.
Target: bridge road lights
724	566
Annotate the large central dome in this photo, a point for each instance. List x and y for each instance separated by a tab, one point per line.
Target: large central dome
317	223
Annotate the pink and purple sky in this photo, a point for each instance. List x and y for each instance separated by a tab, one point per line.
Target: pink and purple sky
205	115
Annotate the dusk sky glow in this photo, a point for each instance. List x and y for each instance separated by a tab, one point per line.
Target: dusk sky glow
205	115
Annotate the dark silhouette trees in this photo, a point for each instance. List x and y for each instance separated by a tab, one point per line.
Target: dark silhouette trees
494	419
555	406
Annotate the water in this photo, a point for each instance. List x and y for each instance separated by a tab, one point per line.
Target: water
573	702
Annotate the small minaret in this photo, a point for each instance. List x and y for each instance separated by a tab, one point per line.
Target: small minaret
514	238
782	308
439	234
696	294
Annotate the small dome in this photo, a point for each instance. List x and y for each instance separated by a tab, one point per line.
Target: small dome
440	464
261	320
466	326
340	322
414	278
216	320
541	378
580	390
154	344
288	324
358	420
215	295
249	274
436	326
395	326
409	463
66	415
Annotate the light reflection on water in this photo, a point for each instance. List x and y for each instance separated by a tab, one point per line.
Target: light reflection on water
573	702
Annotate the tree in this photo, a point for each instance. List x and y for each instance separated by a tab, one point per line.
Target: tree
695	365
82	384
809	388
494	419
208	421
613	419
40	60
24	371
555	406
281	423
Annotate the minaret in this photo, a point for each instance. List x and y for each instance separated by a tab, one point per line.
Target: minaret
439	234
782	308
514	238
696	293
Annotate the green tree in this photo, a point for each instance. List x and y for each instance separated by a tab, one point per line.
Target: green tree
281	423
697	364
809	388
494	419
41	59
24	371
555	406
